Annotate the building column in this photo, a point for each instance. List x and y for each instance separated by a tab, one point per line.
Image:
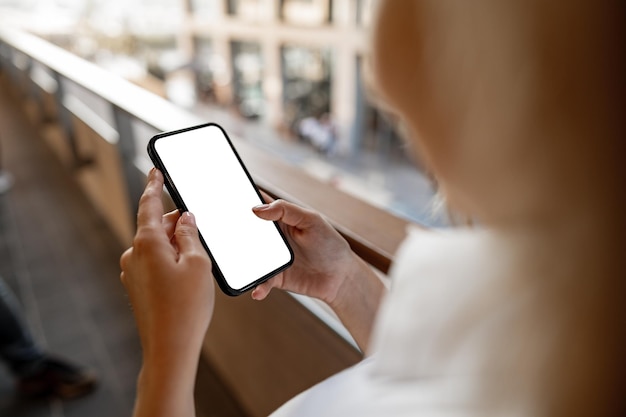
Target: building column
222	69
343	95
272	81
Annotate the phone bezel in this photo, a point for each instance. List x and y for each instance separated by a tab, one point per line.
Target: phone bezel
180	204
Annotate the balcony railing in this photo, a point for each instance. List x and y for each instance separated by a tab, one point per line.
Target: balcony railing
99	124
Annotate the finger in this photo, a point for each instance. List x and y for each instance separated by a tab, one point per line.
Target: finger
259	293
288	213
263	290
169	221
150	205
125	258
186	234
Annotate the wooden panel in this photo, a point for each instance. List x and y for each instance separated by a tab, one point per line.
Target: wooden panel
49	105
55	137
32	110
269	351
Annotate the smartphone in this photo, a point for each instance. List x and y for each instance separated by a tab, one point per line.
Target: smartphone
205	175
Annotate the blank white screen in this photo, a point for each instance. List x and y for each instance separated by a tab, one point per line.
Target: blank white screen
215	188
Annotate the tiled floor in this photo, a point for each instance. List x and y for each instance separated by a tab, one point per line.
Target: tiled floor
62	262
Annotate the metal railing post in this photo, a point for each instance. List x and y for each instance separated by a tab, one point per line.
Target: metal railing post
128	154
65	120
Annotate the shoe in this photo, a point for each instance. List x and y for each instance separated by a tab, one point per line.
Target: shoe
6	181
57	378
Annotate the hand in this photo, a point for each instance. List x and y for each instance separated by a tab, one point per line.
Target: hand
323	258
167	274
325	268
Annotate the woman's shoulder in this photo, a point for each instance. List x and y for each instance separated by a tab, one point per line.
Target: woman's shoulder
442	283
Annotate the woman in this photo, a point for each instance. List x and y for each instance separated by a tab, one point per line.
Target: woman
516	108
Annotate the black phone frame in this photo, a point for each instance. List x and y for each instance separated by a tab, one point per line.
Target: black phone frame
180	204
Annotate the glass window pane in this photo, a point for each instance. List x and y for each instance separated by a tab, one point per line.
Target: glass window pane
306	12
206	7
247	78
254	10
204	69
306	83
364	9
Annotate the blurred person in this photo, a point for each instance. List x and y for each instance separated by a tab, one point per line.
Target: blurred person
517	109
37	373
6	178
6	181
320	131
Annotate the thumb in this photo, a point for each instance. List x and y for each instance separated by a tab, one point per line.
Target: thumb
186	233
288	213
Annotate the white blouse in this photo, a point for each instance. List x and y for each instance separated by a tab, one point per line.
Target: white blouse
455	305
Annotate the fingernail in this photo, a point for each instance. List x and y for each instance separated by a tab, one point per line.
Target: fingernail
151	171
261	207
188	218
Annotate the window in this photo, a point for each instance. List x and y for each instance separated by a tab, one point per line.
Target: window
159	53
374	131
206	8
255	10
247	78
364	12
306	83
306	12
202	67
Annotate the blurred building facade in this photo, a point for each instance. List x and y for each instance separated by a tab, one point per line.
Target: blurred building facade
284	61
276	61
